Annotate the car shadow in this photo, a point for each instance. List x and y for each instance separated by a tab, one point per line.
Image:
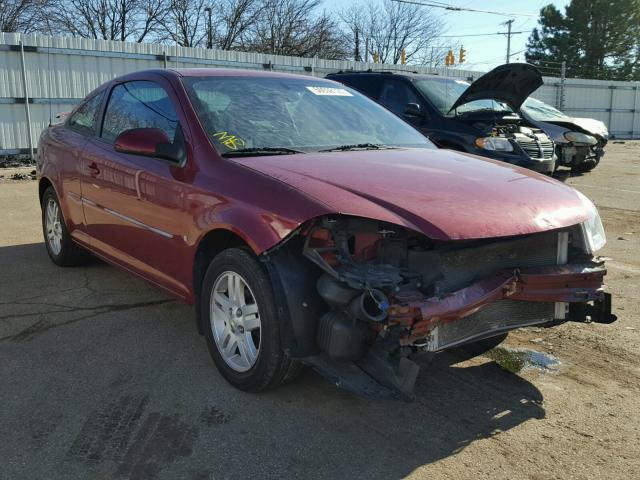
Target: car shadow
457	403
105	375
565	174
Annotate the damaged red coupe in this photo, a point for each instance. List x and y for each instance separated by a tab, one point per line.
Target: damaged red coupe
311	226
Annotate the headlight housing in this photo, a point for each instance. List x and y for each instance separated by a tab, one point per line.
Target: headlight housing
592	229
581	138
496	144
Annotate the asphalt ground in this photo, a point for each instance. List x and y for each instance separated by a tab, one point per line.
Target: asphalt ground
103	376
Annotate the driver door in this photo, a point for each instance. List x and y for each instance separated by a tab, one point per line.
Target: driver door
133	204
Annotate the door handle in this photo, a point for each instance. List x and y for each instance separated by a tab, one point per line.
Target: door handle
93	167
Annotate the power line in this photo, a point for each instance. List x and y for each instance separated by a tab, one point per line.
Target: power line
480	34
455	8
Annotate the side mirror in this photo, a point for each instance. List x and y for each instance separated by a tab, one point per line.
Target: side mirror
413	110
149	142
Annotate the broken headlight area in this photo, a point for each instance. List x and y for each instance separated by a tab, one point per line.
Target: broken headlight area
573	154
375	293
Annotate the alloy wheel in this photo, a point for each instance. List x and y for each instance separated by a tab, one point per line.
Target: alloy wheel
53	225
235	321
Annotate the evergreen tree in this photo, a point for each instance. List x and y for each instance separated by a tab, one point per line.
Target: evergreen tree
597	39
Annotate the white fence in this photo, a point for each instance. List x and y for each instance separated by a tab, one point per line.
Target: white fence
41	76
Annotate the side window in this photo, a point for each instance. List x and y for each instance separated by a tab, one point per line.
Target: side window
396	94
139	104
84	118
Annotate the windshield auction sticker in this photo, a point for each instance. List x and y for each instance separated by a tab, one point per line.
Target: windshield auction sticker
334	92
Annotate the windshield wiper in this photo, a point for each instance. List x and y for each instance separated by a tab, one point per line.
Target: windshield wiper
359	146
257	151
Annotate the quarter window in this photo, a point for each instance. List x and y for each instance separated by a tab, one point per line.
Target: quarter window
84	118
139	104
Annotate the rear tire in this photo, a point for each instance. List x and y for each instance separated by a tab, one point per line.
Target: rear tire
241	325
62	250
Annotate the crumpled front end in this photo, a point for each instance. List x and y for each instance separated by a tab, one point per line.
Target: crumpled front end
581	156
375	293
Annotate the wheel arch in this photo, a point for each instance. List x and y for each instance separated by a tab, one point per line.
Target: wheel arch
43	184
211	244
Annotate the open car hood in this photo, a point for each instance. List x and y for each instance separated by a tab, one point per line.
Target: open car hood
511	83
445	195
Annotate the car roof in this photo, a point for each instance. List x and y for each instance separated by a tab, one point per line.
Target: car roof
232	72
176	73
410	75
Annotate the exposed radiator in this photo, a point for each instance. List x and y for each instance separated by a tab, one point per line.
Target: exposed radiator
496	318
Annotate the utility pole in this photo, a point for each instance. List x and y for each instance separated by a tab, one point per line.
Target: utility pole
508	23
356	53
563	76
209	29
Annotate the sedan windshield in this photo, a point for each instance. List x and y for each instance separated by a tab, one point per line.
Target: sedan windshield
541	111
443	92
276	115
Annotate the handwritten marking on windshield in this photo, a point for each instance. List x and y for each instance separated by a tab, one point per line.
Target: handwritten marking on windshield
232	142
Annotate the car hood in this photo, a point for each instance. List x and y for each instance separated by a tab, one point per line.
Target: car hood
588	125
511	83
444	194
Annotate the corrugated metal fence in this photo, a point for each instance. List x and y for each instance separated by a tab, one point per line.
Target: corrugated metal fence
41	76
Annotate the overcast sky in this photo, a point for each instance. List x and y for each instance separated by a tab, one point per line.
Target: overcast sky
486	52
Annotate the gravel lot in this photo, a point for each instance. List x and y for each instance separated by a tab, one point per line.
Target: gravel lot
103	376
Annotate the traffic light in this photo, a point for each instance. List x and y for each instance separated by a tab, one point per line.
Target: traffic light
449	59
403	57
376	57
461	56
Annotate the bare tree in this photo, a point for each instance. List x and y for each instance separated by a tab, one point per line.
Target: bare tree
185	22
22	16
391	27
293	27
124	20
234	21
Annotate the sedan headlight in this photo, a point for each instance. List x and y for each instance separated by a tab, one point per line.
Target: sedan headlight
582	138
592	229
497	144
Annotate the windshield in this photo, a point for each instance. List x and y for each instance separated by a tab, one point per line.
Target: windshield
541	111
443	92
240	113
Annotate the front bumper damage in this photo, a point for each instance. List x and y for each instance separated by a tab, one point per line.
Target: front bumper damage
558	283
365	297
575	156
382	373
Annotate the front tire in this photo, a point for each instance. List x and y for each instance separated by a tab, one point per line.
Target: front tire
240	323
586	166
62	250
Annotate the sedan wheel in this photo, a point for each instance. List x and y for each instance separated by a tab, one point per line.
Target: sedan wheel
241	324
61	248
235	321
53	226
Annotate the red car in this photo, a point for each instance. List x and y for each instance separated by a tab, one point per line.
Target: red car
310	225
